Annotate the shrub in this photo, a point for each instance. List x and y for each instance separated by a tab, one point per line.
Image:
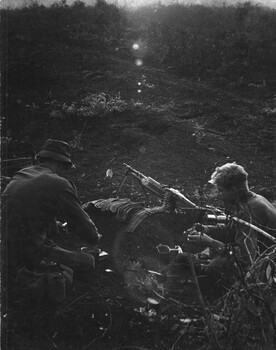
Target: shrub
221	41
91	106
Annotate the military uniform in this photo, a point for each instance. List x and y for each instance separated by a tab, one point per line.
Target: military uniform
30	204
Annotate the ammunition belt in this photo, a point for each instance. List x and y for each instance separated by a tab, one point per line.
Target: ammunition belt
141	215
133	213
122	207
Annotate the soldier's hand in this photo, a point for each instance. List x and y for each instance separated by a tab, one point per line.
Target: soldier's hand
62	227
191	230
195	229
199	238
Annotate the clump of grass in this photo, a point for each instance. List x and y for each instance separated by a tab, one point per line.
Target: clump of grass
94	105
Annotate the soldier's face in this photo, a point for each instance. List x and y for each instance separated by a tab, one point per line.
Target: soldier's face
227	195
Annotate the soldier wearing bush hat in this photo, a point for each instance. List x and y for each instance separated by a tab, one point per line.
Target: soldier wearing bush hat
32	202
56	150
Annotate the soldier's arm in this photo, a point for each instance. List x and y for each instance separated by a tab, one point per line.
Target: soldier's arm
71	209
221	232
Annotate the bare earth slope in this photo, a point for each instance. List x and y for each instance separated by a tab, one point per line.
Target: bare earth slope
173	129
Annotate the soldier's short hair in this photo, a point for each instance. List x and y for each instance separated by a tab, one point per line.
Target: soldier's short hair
229	175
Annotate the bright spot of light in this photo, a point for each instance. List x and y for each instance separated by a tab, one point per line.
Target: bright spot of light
109	173
139	83
139	91
135	46
138	62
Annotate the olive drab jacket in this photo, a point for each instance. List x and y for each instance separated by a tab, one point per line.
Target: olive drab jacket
30	203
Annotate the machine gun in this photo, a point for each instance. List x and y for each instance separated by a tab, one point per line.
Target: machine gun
174	199
161	191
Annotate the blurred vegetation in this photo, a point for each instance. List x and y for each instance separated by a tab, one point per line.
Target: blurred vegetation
48	52
217	42
31	34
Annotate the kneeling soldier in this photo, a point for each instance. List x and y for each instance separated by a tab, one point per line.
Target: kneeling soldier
30	204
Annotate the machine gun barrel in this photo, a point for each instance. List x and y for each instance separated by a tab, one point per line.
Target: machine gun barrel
212	219
147	182
159	189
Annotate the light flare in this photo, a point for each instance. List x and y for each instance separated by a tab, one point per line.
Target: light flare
138	62
136	46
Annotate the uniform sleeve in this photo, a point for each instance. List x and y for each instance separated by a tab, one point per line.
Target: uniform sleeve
222	233
70	207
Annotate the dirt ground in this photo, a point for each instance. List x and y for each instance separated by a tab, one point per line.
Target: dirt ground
177	131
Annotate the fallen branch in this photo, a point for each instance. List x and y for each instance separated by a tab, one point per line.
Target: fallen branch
74	301
110	321
215	132
16	159
259	230
177	340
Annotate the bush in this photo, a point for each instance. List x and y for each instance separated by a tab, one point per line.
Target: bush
40	24
91	106
221	41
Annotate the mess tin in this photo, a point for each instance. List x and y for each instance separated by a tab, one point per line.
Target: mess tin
166	253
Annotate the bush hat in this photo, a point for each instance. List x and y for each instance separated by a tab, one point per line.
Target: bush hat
56	150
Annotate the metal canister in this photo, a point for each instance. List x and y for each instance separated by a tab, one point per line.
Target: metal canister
164	254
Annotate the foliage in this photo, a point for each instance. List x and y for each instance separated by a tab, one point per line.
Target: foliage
250	304
61	21
92	105
43	48
98	103
223	41
32	33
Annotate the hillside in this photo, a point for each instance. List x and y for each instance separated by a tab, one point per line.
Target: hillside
120	92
